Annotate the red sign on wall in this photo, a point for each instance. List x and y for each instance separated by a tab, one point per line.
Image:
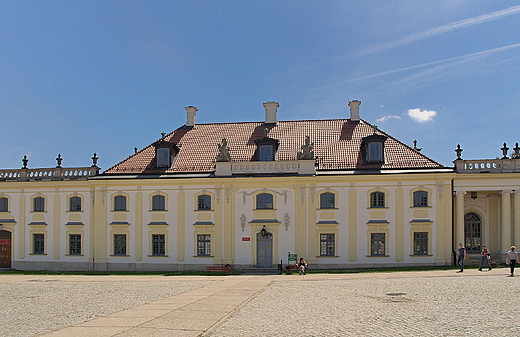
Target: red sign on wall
5	241
246	238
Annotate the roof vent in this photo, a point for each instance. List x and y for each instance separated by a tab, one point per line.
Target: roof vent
191	111
354	110
270	112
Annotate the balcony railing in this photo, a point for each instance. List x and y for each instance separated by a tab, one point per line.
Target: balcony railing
488	166
58	173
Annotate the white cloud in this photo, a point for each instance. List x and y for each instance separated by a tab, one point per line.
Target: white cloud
421	116
383	119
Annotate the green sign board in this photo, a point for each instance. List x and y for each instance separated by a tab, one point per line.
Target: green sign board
292	258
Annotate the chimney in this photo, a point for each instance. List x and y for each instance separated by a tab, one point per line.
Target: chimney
191	111
270	112
354	110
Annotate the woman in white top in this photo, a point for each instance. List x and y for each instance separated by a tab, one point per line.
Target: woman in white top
512	256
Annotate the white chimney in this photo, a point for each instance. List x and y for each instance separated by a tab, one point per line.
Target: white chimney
191	111
354	110
270	112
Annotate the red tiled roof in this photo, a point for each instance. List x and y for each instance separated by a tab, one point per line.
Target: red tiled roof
337	146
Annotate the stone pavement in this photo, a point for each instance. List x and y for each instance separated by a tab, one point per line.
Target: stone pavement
396	303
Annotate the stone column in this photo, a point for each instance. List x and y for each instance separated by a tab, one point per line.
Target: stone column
459	218
505	243
516	216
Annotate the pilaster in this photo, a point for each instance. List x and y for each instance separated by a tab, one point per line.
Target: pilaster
506	221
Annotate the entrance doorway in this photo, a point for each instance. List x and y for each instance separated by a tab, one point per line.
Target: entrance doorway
5	249
264	249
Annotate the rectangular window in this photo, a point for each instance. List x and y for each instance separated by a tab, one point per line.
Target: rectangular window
75	244
158	245
377	200
120	203
266	153
204	202
75	204
4	205
327	201
39	204
38	243
377	244
158	203
375	152
163	157
119	244
420	199
327	245
420	243
203	245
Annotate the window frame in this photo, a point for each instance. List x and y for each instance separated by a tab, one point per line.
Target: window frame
420	199
74	206
163	157
377	199
324	202
39	204
120	245
38	244
203	244
261	201
158	202
266	153
420	241
377	244
204	202
327	243
158	245
118	204
4	204
75	244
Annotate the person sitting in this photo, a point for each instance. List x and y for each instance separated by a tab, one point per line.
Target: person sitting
302	265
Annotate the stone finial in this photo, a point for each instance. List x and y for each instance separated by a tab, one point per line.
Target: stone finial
94	160
516	154
354	110
458	151
223	151
307	152
25	161
415	146
59	159
504	151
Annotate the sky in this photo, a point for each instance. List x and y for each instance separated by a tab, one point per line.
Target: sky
85	77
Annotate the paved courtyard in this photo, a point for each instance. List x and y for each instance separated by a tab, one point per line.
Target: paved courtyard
426	303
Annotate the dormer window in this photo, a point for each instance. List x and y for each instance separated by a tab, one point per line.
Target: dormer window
266	149
373	148
164	153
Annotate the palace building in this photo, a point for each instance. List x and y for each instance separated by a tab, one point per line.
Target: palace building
341	193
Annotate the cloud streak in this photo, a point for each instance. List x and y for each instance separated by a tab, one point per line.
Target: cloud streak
440	30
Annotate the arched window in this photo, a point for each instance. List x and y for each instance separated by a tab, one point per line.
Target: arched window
420	199
204	202
4	204
327	201
75	204
158	203
120	203
264	201
39	204
377	200
472	232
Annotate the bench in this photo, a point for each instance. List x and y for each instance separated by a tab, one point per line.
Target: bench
219	269
290	268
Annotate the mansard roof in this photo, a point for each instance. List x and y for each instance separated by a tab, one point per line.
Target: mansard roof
337	146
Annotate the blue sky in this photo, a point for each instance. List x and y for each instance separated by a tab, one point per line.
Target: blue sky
79	77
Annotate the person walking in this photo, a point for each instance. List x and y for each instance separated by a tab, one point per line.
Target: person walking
461	255
485	256
512	257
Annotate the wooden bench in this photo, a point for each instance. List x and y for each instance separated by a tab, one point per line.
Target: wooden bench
290	268
219	269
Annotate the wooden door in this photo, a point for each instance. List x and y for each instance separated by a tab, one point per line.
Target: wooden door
5	249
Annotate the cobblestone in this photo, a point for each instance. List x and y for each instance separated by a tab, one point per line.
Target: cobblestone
436	306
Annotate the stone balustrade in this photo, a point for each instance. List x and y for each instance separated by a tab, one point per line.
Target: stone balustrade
300	167
58	173
488	166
